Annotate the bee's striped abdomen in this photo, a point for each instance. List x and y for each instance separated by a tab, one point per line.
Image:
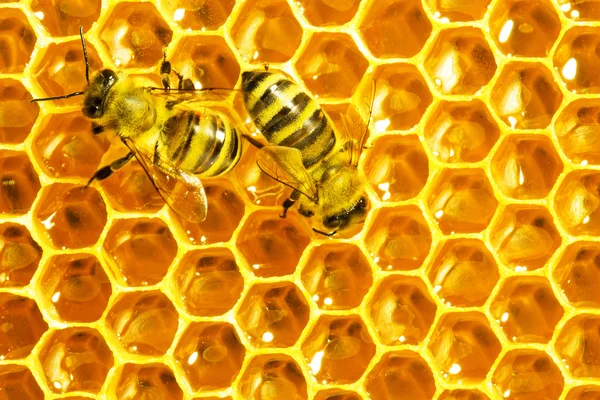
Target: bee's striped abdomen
287	116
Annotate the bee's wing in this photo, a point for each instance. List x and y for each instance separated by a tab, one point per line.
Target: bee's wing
284	164
182	191
357	118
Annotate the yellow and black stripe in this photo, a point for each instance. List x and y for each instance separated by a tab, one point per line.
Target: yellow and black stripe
287	116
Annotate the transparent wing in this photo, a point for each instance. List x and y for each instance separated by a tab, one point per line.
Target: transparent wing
182	191
284	164
357	118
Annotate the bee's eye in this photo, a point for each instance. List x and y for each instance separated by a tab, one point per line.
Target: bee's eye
92	110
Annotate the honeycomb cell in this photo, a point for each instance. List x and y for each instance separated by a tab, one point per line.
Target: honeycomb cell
457	11
578	274
272	245
143	322
577	346
71	216
266	31
21	326
76	359
578	131
64	17
464	347
17	114
577	203
400	375
464	273
17	41
208	281
584	392
61	70
199	15
331	65
462	201
328	12
526	166
147	381
526	96
337	276
524	237
213	398
19	183
19	255
337	394
576	61
402	310
17	383
463	394
210	355
460	61
386	21
135	35
272	376
225	210
527	309
76	286
273	314
141	249
580	10
399	238
527	374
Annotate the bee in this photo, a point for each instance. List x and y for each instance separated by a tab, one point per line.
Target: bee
164	129
306	153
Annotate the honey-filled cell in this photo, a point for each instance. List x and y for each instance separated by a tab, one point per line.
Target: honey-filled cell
584	392
576	61
21	326
337	394
578	131
272	376
577	274
64	17
576	203
19	255
463	394
580	11
19	183
198	14
577	346
326	13
17	383
457	11
17	41
146	381
17	114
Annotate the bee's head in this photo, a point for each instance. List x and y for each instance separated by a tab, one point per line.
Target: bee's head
95	94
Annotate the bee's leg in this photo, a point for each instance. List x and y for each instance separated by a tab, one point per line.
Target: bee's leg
289	202
165	71
107	170
97	129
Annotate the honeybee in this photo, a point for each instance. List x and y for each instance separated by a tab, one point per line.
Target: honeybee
173	138
306	153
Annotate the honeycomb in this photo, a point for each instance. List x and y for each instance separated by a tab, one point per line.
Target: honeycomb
475	276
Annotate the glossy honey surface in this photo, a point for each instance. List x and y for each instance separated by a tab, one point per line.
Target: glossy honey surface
475	276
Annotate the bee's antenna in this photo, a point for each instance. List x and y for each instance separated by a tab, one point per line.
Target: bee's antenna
85	57
328	234
66	96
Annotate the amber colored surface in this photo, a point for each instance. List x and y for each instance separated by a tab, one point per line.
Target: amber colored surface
75	359
578	274
273	314
272	376
64	17
577	345
580	11
209	281
456	10
526	374
578	131
577	201
17	114
19	183
198	14
337	394
463	394
328	12
143	322
147	381
21	326
210	355
576	61
460	61
17	41
17	383
526	309
19	255
402	310
464	346
586	392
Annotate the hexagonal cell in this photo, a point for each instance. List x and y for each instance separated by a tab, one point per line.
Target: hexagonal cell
21	326
527	309
143	322
135	35
457	11
273	314
576	203
578	274
464	273
331	65
402	310
527	374
463	394
225	210
584	392
386	21
62	18
337	276
338	349
524	237
208	281
399	238
337	394
147	381
213	398
462	201
577	346
464	347
17	39
76	359
17	382
17	114
461	131
272	245
400	375
210	355
328	12
19	255
198	14
141	249
76	286
71	216
526	166
578	131
397	167
460	61
19	182
580	11
266	31
272	376
576	61
526	95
